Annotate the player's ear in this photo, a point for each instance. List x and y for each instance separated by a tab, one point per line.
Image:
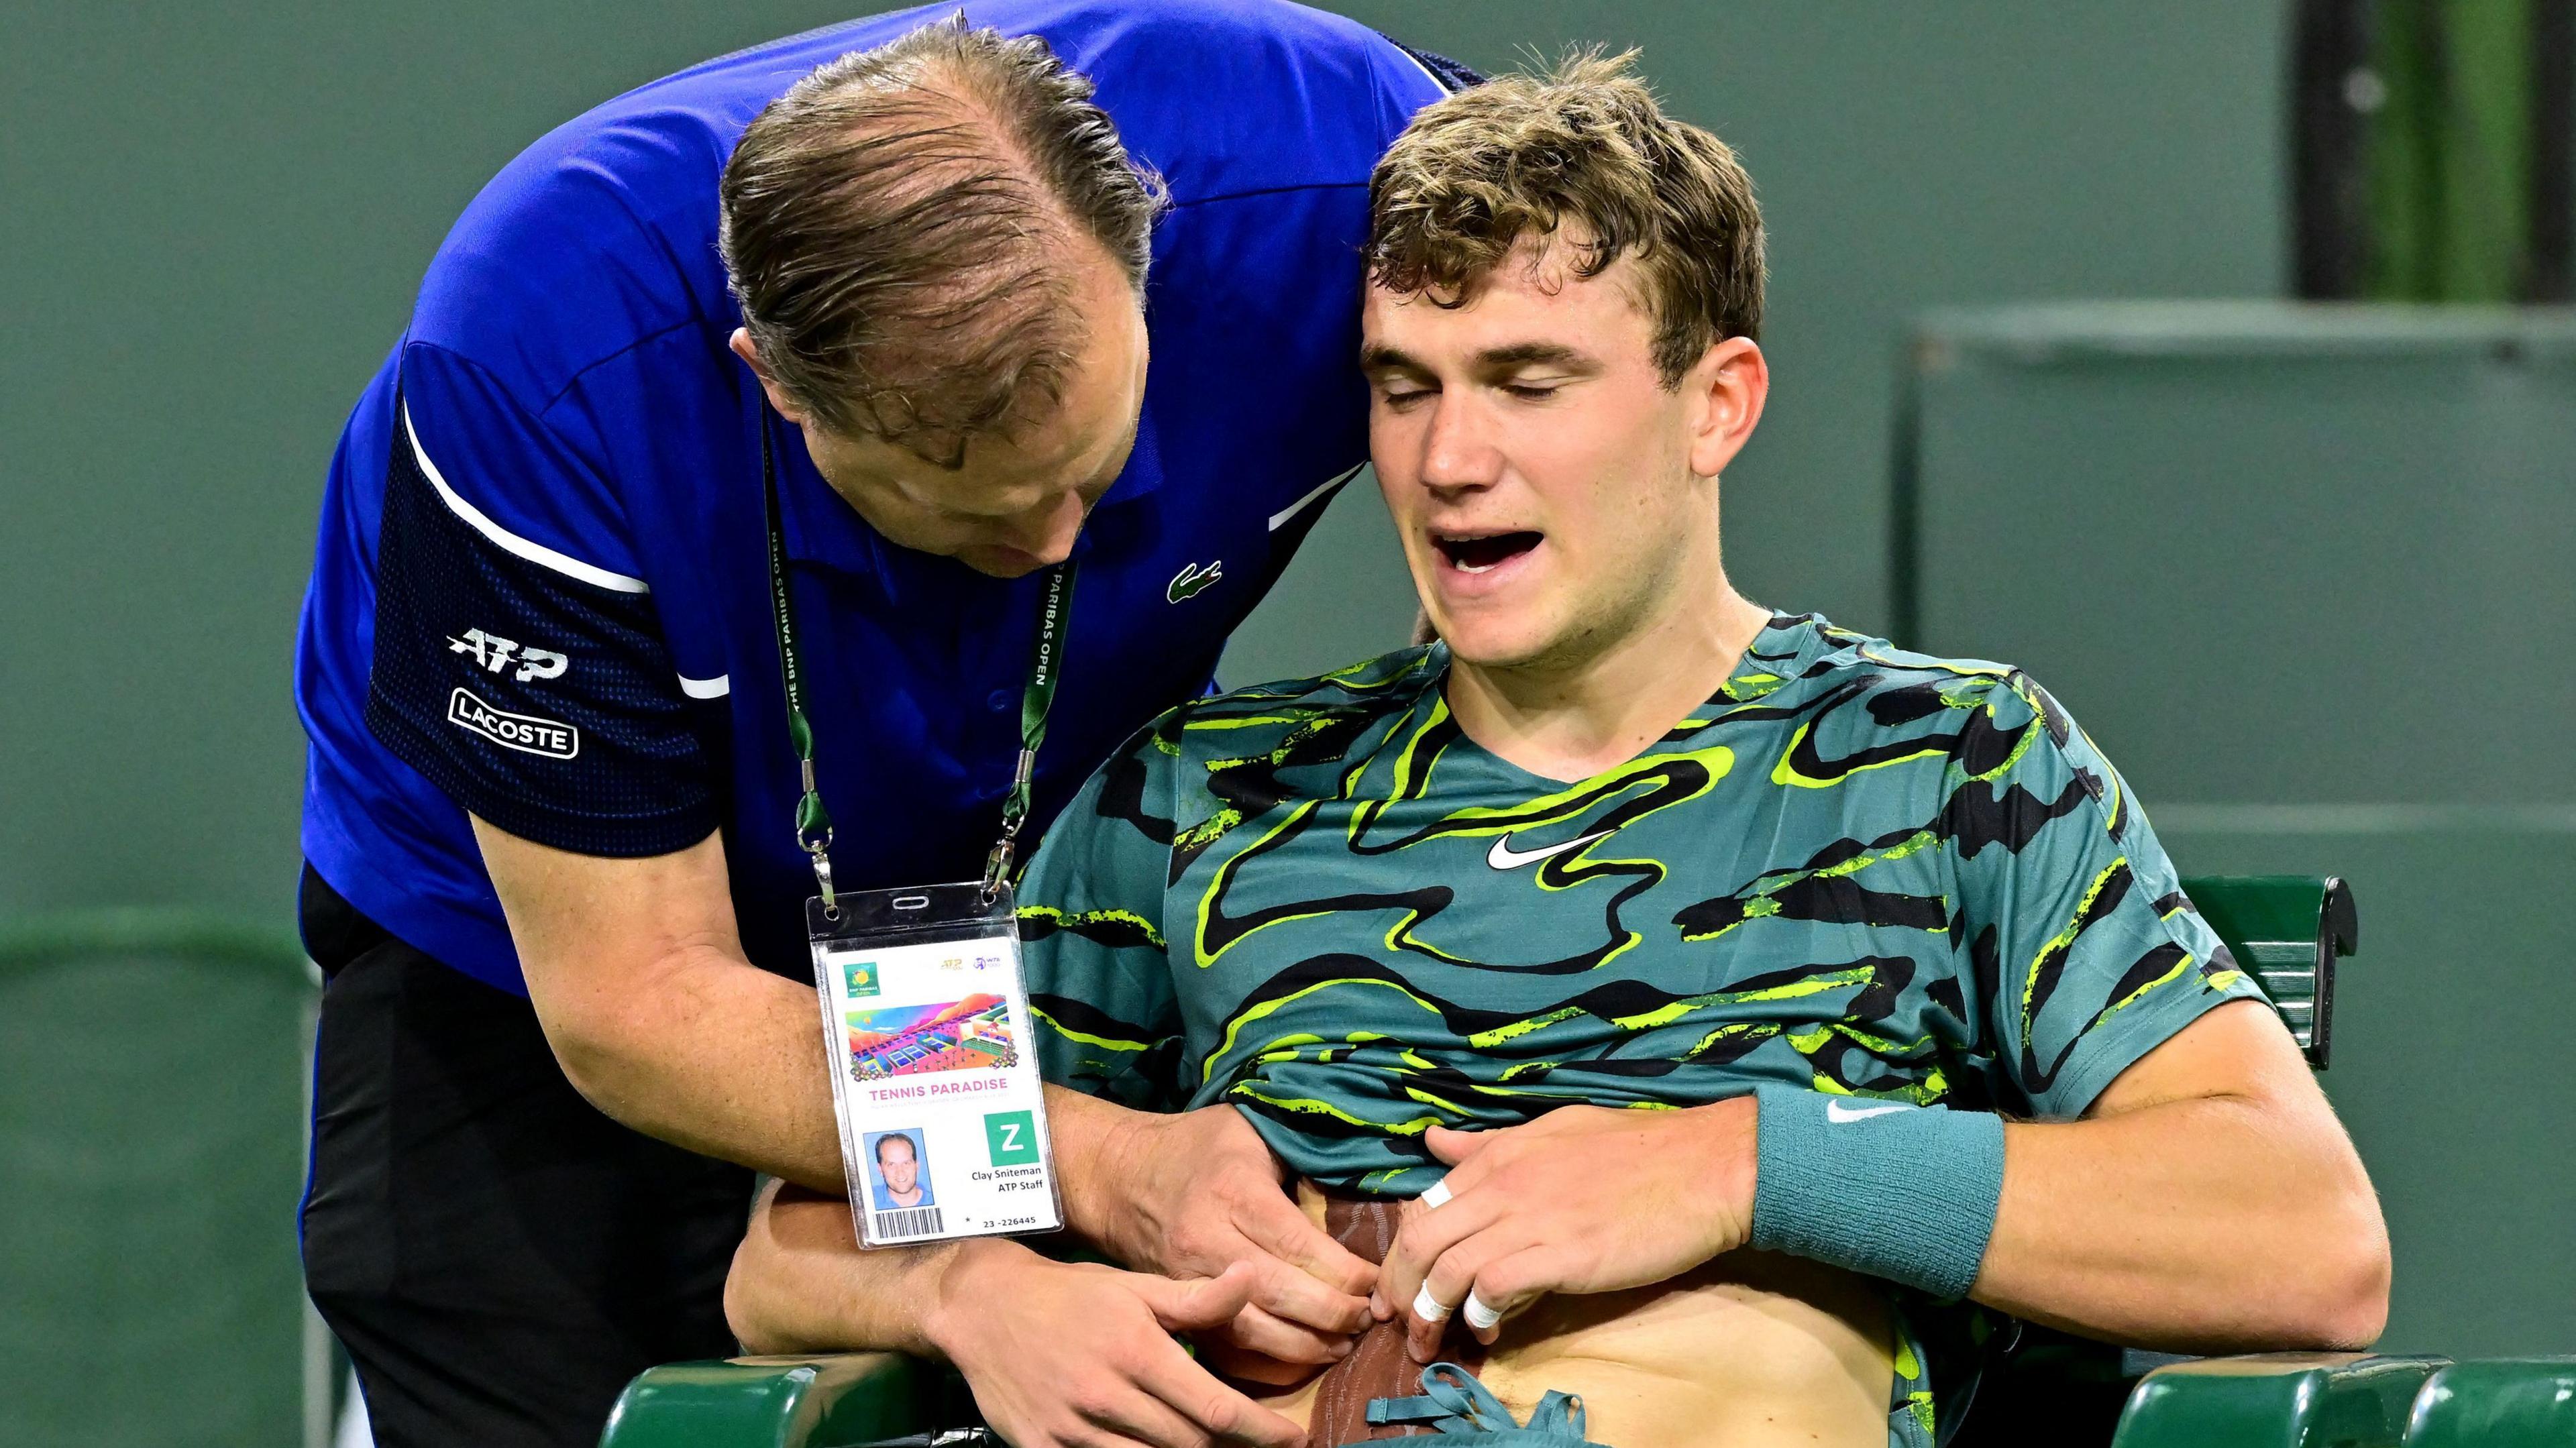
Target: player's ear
1725	391
740	343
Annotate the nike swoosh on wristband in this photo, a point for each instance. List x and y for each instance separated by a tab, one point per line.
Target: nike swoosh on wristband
1503	857
1836	1111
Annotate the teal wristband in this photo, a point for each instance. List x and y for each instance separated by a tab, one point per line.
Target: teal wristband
1907	1193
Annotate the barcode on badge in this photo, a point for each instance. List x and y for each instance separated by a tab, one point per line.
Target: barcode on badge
910	1222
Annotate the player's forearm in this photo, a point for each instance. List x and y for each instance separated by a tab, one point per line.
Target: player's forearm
706	1051
800	1283
2212	1223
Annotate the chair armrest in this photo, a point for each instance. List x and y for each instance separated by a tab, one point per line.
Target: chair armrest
2275	1400
2287	932
775	1402
2509	1403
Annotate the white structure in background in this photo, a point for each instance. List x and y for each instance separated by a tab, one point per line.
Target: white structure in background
353	1431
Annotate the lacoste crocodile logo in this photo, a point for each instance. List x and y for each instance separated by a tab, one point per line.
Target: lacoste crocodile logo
1193	580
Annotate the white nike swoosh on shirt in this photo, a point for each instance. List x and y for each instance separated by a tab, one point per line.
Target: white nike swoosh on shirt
1280	519
1503	857
1836	1111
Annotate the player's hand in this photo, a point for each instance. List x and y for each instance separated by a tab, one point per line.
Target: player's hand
1061	1354
1584	1199
1196	1193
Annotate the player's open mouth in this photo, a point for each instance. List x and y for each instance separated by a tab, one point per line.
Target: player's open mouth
1483	552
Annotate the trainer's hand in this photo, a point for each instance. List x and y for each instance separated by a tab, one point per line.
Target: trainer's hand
1196	1193
1584	1199
1064	1354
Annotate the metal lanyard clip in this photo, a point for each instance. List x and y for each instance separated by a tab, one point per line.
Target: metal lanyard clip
997	866
1015	813
814	823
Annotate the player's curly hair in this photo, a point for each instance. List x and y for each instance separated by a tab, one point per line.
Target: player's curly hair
1585	156
896	226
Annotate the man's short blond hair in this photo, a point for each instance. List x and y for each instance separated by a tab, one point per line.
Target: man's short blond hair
1583	155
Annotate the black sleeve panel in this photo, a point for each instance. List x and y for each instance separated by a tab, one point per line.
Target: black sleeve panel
1454	76
543	703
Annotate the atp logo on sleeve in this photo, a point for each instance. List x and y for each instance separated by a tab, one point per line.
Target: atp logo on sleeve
495	653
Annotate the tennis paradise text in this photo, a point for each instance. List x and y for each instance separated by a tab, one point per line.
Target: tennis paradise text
995	1081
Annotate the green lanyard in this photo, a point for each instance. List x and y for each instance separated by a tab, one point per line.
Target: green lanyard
1037	697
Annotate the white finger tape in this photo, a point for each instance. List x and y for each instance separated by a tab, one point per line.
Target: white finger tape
1438	1193
1428	1307
1479	1316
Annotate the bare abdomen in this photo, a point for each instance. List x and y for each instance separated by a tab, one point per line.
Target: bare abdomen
1749	1350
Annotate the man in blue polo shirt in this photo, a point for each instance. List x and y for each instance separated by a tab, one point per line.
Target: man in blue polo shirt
920	318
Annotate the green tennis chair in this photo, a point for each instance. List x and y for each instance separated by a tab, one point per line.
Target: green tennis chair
2509	1403
2289	931
152	1106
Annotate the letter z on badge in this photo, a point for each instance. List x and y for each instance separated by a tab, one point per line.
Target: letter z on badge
524	732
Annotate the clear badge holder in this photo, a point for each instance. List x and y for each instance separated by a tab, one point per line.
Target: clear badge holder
926	1020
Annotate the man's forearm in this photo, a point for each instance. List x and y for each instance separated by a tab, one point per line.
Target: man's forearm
638	975
709	1052
2210	1224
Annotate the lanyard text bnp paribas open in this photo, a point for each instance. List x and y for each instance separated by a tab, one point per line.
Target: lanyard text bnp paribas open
925	1016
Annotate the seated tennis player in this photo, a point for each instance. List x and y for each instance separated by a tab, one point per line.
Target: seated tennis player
1700	1014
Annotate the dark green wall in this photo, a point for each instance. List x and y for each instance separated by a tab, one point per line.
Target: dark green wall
2303	573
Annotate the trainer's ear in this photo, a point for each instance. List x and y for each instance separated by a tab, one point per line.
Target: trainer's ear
1725	389
740	343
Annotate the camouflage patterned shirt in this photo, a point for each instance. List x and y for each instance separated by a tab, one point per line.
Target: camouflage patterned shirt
1855	869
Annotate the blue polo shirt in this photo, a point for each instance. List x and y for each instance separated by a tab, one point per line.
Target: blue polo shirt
541	589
